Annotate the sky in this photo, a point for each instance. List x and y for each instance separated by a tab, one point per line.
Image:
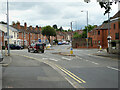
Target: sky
59	12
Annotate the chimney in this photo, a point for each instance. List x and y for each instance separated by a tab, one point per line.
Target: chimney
30	27
25	26
18	24
40	28
36	28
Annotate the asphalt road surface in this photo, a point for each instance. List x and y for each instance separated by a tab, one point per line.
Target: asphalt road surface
50	70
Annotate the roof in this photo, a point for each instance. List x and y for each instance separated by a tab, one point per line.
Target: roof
116	15
102	27
28	30
3	27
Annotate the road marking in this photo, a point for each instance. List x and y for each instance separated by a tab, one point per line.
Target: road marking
53	59
71	75
95	63
113	68
44	58
66	58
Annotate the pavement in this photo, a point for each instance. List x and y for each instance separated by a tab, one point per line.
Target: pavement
6	61
103	53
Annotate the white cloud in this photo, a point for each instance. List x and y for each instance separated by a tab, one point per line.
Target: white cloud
60	13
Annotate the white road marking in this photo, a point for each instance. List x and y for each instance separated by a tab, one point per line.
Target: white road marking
53	59
113	68
95	63
44	58
66	58
78	57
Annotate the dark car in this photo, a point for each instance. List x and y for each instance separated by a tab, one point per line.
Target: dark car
15	46
37	47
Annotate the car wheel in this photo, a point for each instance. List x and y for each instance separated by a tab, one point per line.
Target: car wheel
42	51
28	50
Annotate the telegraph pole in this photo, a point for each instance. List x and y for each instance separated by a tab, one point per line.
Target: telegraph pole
8	29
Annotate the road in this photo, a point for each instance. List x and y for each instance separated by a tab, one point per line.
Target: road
50	70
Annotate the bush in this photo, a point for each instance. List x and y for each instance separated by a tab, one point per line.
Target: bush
3	47
56	41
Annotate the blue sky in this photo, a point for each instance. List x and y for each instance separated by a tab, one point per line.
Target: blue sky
60	12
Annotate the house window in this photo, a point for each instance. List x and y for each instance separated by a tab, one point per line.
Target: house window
14	34
114	26
116	35
98	32
5	34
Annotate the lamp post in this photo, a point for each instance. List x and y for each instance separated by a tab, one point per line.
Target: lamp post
87	26
8	29
109	37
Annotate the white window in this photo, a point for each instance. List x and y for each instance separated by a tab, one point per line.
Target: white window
14	34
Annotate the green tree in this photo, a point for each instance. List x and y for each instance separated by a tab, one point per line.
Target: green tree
90	27
13	22
55	27
48	31
107	5
77	35
60	29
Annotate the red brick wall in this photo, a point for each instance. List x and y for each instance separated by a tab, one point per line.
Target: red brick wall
116	30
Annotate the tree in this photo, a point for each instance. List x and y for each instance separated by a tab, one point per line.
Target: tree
55	27
48	31
77	35
107	5
60	29
90	27
13	22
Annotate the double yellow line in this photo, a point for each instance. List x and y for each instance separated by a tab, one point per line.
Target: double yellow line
79	80
70	74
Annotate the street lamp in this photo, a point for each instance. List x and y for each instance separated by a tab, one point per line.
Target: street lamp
87	26
8	29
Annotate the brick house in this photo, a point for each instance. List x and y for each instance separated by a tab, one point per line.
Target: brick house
27	35
63	36
99	36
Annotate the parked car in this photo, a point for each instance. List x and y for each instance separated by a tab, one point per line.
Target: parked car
15	46
37	47
59	43
65	43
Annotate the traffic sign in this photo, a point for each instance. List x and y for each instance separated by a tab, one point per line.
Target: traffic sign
39	40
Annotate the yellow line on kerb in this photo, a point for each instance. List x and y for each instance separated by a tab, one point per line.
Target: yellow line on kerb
71	75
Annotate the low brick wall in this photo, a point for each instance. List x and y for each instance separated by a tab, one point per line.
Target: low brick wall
115	49
81	43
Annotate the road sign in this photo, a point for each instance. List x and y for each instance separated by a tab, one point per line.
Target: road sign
39	40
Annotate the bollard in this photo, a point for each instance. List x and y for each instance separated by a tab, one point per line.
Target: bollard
100	47
71	51
5	51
